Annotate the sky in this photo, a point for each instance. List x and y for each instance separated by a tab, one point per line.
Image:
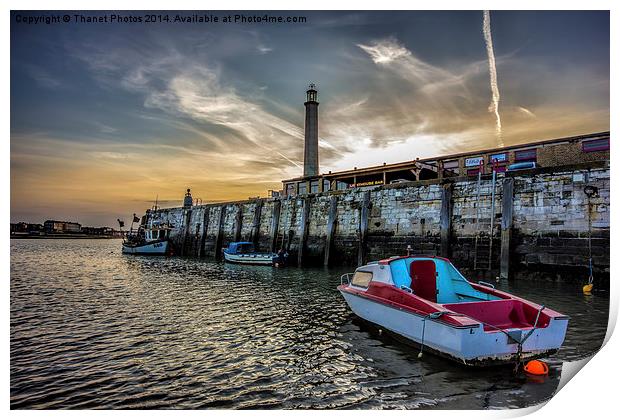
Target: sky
105	117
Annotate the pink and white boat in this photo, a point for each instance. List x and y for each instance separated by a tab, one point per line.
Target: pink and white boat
428	301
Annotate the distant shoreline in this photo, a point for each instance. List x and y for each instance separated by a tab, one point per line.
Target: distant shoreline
65	236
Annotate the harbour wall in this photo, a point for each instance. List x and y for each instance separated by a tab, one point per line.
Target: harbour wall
542	220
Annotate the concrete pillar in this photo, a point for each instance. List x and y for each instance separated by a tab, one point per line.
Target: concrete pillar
506	226
331	227
445	219
275	222
256	222
238	221
363	228
311	143
303	231
205	227
220	233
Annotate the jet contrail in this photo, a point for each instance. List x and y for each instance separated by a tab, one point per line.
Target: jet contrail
494	106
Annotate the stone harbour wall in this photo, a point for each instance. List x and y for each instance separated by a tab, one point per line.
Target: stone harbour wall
540	218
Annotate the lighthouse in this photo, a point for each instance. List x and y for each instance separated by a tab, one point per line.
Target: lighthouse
311	140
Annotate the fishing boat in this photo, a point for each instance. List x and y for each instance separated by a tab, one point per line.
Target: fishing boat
152	239
427	301
245	253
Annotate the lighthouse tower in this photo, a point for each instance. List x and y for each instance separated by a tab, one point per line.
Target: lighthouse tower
311	145
188	200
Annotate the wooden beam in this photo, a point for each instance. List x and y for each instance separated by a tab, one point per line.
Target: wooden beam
188	217
506	226
220	233
303	231
238	222
331	228
275	222
254	235
205	227
445	219
363	228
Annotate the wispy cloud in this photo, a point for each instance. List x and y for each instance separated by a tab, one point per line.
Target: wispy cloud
526	111
406	97
42	77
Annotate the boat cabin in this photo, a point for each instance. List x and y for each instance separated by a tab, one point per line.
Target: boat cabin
240	248
156	233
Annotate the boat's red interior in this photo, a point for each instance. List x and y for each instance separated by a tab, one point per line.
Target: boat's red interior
423	279
505	313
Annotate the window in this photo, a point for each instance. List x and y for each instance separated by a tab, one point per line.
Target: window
326	185
595	145
302	188
361	279
314	187
528	155
290	189
341	185
451	164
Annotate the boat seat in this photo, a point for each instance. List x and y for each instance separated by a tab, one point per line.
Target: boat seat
505	314
435	280
424	279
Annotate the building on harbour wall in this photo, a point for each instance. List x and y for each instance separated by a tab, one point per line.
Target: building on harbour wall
545	153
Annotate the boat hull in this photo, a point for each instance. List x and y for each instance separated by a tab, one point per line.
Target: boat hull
153	248
470	345
249	259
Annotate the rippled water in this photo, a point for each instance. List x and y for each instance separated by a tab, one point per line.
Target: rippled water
92	328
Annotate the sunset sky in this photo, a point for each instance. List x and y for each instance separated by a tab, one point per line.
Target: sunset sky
105	117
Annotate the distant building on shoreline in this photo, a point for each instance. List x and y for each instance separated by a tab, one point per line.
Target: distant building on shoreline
55	226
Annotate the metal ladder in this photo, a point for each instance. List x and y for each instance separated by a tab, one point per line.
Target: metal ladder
483	244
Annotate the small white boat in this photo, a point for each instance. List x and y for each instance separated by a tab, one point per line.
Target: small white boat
244	253
148	240
429	303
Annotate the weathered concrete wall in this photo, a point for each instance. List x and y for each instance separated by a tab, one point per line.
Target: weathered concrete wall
548	227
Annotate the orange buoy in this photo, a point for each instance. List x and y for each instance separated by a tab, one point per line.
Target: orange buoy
587	288
536	367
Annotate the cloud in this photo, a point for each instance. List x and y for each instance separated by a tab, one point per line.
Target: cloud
404	98
191	90
386	51
106	129
42	77
526	111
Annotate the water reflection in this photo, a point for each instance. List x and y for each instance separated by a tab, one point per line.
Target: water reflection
91	328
